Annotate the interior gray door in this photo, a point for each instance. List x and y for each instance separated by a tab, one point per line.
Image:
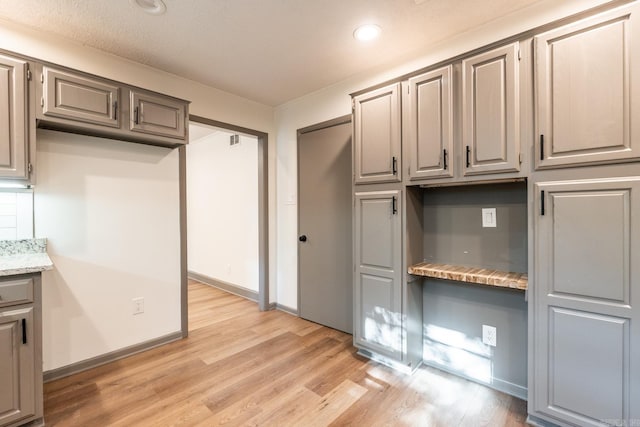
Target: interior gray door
324	225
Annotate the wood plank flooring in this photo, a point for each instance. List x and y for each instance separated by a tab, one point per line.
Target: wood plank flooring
242	367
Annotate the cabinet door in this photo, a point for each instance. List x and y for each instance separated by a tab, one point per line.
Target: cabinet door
157	115
586	348
429	124
378	305
491	112
377	135
588	91
17	376
80	98
14	134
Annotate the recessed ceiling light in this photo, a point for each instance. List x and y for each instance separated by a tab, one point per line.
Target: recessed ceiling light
367	32
153	7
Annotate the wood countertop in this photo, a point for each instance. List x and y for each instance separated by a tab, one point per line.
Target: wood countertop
480	276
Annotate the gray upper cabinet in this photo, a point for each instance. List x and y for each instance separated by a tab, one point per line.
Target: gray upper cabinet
428	121
588	91
491	112
80	98
157	115
377	133
14	122
70	100
586	325
378	323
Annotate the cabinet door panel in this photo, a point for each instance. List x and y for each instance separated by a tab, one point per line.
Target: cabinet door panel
157	115
491	112
429	118
80	98
377	135
13	118
586	328
586	79
378	289
588	377
17	394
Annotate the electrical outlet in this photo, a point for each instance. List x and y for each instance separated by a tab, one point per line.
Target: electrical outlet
489	217
489	335
138	305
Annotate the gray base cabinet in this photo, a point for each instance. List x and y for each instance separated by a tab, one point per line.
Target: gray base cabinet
378	323
20	351
586	348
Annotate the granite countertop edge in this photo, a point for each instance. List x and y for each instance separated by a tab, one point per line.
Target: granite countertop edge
24	256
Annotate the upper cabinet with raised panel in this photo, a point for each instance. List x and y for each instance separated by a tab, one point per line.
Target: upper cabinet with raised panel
377	134
79	102
14	119
491	111
428	121
588	91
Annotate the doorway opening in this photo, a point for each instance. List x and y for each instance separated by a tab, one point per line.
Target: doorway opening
226	210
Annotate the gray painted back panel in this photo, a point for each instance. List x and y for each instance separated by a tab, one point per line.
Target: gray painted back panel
325	259
453	232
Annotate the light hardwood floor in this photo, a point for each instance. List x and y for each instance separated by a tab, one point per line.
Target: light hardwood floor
240	366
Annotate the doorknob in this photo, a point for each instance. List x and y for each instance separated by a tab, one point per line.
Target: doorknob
302	238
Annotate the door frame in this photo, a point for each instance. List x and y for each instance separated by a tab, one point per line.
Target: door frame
263	216
319	126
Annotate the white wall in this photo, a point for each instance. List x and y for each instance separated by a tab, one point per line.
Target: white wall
110	212
222	209
334	101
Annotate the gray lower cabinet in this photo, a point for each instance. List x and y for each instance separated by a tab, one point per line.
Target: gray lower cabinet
588	91
14	118
586	304
377	135
20	351
428	123
73	101
378	323
491	111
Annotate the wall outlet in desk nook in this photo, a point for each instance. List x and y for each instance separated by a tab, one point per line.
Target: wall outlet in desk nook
489	217
489	335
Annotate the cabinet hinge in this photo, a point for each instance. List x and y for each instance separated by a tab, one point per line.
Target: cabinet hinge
28	73
520	158
30	168
42	78
519	55
353	104
42	101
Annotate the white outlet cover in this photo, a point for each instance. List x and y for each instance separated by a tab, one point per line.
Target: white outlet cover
489	335
489	217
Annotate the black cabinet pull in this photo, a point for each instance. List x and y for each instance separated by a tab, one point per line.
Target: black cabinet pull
136	116
444	159
541	147
468	156
115	110
303	238
24	331
394	205
394	165
542	202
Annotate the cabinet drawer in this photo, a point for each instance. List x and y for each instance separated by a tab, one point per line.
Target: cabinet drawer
14	292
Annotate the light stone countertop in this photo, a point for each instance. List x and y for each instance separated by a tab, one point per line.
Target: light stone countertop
24	256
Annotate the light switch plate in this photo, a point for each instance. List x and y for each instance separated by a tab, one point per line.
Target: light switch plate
489	217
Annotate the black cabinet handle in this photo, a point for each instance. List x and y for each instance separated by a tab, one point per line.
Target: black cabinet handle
468	156
303	238
136	116
24	331
444	159
542	202
115	110
394	205
541	147
394	165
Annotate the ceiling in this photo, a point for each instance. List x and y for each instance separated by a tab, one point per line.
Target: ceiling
270	51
